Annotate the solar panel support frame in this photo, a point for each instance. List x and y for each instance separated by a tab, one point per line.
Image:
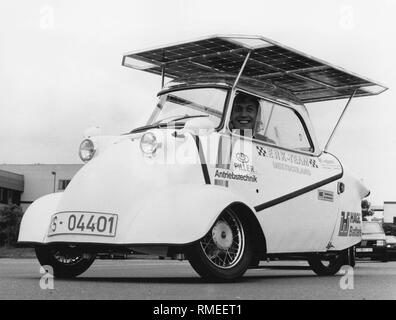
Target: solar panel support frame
339	121
162	77
241	70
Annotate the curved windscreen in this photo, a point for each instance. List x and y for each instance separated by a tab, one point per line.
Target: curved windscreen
184	104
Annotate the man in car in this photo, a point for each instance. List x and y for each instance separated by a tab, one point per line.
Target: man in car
244	112
246	116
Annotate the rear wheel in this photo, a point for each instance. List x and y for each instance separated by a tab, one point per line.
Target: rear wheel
351	256
66	261
327	264
385	257
225	252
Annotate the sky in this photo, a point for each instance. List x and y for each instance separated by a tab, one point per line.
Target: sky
61	73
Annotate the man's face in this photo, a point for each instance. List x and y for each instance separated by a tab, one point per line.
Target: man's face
244	114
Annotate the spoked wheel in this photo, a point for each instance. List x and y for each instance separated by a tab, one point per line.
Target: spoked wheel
224	253
327	264
66	261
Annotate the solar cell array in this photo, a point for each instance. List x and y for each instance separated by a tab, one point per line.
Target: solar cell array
309	79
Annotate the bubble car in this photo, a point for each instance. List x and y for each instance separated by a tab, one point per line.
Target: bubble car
227	172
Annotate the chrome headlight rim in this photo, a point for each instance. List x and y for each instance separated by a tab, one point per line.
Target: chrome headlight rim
149	143
87	145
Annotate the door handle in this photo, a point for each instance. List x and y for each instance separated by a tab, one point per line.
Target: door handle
340	187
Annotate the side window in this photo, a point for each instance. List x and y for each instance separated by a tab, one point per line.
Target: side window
62	184
281	126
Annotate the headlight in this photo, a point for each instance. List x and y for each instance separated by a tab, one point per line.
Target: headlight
87	150
380	243
149	143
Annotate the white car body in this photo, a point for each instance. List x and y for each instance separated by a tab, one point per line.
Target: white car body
298	201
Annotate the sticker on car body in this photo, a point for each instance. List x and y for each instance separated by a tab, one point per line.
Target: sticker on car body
350	224
229	175
325	195
243	163
287	157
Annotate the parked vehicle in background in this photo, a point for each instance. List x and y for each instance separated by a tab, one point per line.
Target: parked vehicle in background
389	224
391	247
373	244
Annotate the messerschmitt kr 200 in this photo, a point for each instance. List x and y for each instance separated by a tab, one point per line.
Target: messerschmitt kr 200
227	171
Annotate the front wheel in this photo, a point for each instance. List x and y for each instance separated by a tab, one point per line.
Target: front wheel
327	264
225	252
66	261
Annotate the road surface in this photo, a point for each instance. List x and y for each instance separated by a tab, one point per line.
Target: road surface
173	280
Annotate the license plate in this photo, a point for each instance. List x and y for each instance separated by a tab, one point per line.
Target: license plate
364	249
87	223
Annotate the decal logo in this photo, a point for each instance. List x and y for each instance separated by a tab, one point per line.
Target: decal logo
288	167
244	167
325	195
350	224
223	174
243	163
242	157
329	164
288	157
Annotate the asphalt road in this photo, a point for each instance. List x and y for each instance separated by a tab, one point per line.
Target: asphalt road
159	279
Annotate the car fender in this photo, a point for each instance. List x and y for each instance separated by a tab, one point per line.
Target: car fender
180	215
348	227
36	219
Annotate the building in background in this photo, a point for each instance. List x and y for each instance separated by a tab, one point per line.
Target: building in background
378	213
24	183
11	188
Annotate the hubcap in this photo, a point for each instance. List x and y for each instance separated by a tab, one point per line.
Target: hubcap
222	235
224	244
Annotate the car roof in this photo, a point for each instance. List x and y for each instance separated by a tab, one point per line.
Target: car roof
256	87
305	77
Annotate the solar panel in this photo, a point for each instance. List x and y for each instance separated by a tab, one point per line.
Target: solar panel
308	78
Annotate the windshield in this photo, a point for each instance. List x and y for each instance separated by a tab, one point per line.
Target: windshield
183	104
391	239
370	228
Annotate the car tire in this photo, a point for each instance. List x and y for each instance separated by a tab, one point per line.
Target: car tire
351	256
225	252
329	266
385	257
65	261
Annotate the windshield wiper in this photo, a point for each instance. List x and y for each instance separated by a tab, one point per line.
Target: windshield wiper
159	124
150	126
189	117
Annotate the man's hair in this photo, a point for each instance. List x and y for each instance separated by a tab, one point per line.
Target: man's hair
243	97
